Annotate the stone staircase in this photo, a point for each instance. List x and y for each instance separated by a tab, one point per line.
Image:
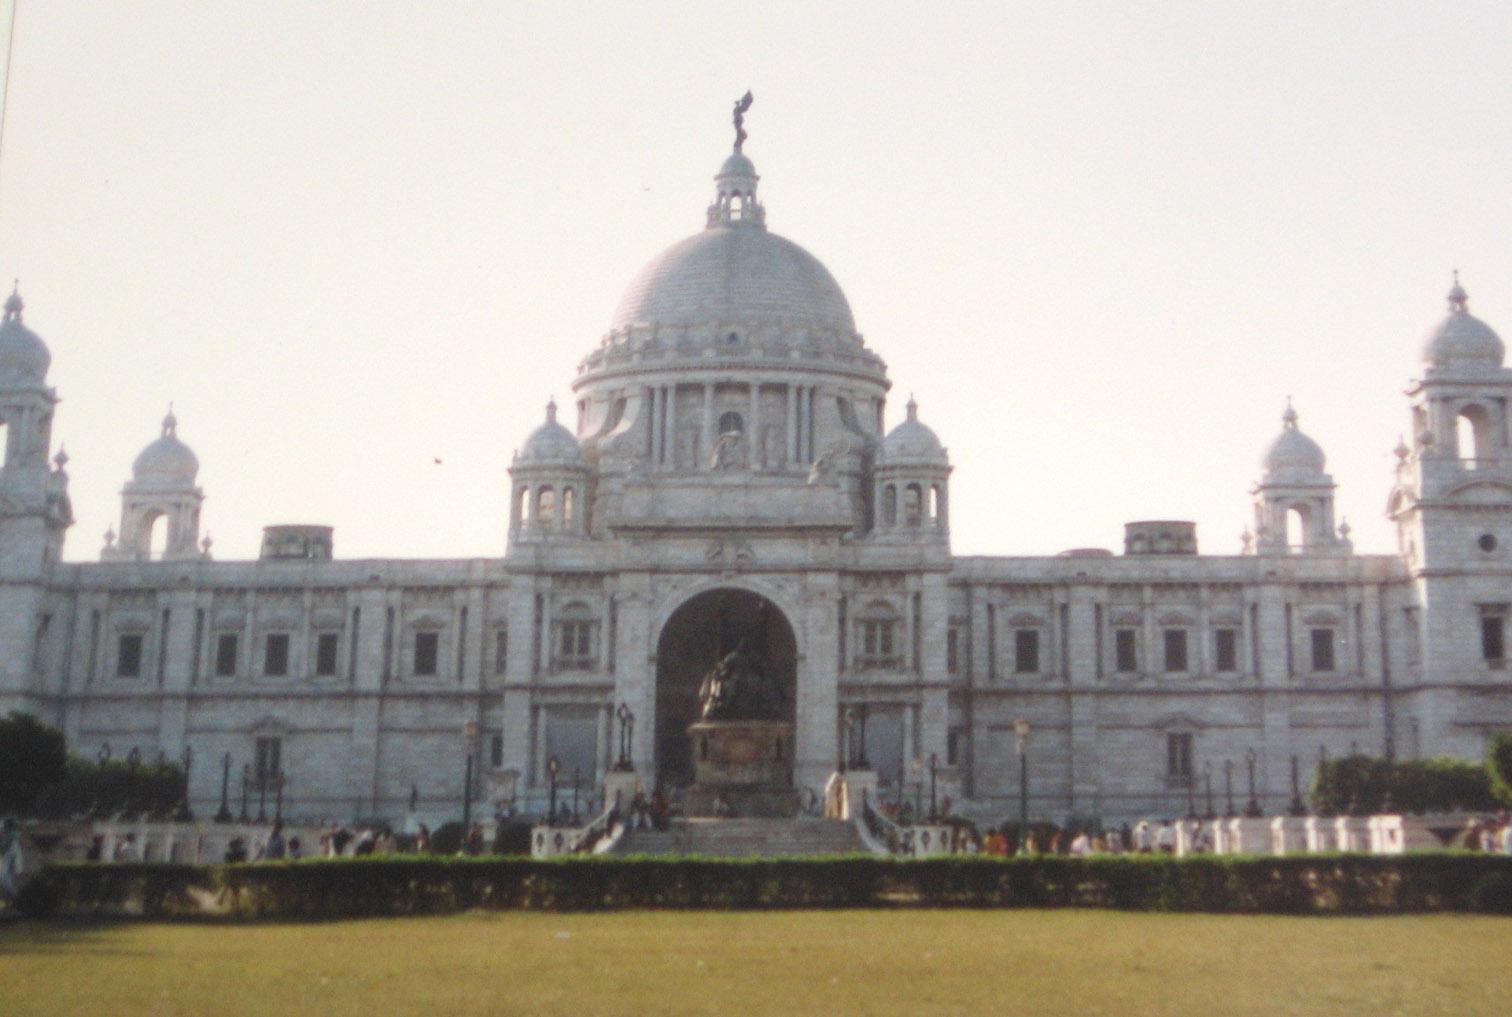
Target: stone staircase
746	837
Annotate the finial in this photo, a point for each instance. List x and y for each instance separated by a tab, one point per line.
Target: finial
1246	540
741	105
551	410
1289	418
14	305
170	423
110	536
1459	300
61	459
1344	528
913	407
1401	451
206	544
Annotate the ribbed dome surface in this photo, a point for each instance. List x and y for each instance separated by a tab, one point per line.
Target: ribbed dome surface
24	358
735	275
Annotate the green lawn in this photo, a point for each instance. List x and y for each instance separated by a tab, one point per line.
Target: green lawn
829	963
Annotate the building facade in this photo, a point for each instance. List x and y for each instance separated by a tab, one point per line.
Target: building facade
730	461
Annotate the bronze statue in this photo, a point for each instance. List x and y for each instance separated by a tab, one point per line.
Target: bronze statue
738	687
741	105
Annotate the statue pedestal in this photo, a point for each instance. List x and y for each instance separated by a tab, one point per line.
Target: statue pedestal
747	763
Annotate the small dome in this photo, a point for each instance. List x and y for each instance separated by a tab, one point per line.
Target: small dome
167	462
1293	453
912	443
551	444
1462	339
23	355
737	165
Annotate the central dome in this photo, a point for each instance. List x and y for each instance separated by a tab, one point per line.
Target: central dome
735	274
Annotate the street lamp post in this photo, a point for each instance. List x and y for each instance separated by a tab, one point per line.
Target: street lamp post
934	772
626	719
262	795
577	779
1207	784
246	785
1298	807
1021	742
918	772
1228	789
1191	783
1251	807
469	749
185	813
278	784
552	768
861	760
847	736
223	814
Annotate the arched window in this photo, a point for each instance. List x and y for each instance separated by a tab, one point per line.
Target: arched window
522	506
936	505
1473	434
157	535
731	423
569	507
1297	519
913	505
890	505
546	507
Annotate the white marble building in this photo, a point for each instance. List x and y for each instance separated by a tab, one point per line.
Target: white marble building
729	437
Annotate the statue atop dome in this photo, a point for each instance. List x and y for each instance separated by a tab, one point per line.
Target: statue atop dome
741	105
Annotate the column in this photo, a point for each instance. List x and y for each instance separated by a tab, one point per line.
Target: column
669	454
797	436
791	445
635	677
753	427
706	450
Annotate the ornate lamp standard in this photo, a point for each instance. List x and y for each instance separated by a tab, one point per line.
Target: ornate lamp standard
861	761
1021	742
918	772
1207	783
246	785
1228	789
185	813
469	749
223	814
1298	807
552	768
627	725
577	779
1251	807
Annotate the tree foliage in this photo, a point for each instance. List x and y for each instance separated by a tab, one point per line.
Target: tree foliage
1499	766
1361	785
32	758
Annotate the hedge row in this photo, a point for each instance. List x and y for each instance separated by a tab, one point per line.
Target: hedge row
1338	884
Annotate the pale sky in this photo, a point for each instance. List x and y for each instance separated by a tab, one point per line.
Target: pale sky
1101	243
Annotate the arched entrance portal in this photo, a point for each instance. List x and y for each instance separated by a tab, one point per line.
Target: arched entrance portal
690	644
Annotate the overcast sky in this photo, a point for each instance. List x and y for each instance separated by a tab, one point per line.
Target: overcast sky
1100	242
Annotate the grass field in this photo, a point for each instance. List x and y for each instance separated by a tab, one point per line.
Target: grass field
829	963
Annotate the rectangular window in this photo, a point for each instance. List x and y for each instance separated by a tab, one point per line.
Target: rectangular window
957	745
225	655
501	650
1026	651
953	650
129	656
575	644
427	652
268	761
1125	650
496	750
1322	649
1175	649
1494	638
325	654
1179	758
1226	643
276	655
877	640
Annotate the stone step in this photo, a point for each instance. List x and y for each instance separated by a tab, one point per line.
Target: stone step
746	838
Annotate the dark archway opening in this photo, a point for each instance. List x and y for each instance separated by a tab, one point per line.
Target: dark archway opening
689	646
